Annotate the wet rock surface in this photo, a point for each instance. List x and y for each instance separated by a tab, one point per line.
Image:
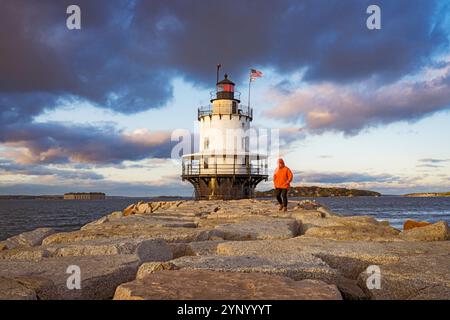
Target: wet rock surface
190	249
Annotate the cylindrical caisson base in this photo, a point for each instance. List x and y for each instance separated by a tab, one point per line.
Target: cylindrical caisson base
225	187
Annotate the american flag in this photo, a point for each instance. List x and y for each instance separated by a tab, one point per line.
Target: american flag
255	74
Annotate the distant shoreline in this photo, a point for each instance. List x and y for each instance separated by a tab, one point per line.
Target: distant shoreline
61	197
315	192
428	194
260	194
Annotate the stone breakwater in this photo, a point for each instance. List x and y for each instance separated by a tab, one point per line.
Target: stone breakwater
243	249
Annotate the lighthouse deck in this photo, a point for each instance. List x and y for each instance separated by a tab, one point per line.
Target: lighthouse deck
223	170
209	164
238	110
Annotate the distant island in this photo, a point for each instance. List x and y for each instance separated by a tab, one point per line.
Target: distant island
85	196
428	194
314	191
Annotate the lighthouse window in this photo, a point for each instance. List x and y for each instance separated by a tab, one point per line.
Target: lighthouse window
225	87
206	143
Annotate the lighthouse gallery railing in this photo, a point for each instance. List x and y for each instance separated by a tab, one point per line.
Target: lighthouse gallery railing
208	111
195	168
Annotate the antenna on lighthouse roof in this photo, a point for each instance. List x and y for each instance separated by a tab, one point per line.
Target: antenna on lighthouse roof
217	77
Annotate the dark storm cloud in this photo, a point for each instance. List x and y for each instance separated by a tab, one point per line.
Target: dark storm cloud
328	38
102	63
124	56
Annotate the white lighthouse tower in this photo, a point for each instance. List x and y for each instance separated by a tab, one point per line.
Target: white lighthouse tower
224	167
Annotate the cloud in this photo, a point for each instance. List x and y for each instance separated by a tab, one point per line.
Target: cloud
101	63
432	163
432	160
351	108
111	188
127	52
429	165
329	39
8	167
51	179
53	142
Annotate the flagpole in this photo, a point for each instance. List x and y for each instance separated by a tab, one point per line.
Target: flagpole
249	83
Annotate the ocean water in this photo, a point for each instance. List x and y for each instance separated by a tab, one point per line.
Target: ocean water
18	216
394	209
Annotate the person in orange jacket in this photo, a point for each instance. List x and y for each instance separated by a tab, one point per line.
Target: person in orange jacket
281	180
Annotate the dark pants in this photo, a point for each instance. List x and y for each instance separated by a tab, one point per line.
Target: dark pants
281	195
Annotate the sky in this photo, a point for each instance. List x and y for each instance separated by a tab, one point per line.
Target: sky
94	109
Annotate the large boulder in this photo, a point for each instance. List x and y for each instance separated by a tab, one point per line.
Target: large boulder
315	223
434	232
210	285
303	266
348	258
411	224
130	210
310	218
100	275
28	239
352	228
144	208
420	277
116	215
136	230
11	289
140	222
25	253
146	250
252	229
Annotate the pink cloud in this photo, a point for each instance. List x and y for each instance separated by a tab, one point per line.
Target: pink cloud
353	107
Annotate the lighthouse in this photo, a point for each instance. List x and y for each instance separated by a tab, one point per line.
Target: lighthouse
224	167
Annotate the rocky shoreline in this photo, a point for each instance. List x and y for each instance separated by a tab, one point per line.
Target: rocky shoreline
242	249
